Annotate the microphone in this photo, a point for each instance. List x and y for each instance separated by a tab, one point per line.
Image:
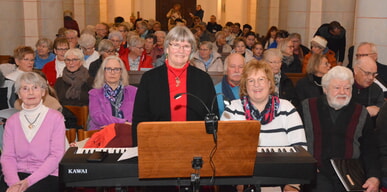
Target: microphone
211	119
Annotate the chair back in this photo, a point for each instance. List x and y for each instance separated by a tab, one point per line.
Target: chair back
83	134
82	114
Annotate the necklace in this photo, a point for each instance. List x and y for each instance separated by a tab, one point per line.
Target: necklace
317	83
177	77
33	122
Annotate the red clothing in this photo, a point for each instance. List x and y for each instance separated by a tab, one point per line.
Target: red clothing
178	106
145	60
50	72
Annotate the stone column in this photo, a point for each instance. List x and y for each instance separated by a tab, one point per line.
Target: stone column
12	22
371	25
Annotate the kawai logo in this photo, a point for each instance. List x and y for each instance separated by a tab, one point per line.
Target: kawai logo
77	171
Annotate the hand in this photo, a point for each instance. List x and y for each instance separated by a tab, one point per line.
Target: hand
372	184
289	188
23	185
14	188
373	110
73	144
239	188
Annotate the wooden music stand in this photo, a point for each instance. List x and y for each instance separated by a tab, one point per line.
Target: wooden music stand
166	149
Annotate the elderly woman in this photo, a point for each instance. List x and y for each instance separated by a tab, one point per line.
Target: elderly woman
40	130
54	69
112	99
284	88
280	123
158	87
135	57
87	44
206	59
240	47
106	48
116	38
220	45
73	87
24	58
290	63
43	53
319	46
310	86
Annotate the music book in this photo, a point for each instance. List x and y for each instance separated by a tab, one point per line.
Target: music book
350	173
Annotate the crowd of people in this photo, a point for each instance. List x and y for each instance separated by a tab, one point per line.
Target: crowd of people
333	111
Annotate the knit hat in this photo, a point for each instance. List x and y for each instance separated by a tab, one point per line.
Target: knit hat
320	40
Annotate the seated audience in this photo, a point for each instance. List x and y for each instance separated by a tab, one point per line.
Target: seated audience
220	45
40	130
319	46
149	46
240	47
229	86
73	87
207	59
54	69
279	36
112	99
87	43
284	88
134	57
142	29
280	123
117	39
299	50
43	53
290	63
123	28
338	127
269	37
212	26
310	86
257	50
106	48
250	39
72	37
229	35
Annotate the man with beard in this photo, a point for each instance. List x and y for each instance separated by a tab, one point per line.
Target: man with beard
229	86
365	91
337	127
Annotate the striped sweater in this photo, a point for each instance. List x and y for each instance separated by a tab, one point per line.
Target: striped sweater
286	129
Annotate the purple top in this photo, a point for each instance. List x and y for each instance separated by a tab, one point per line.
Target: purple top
41	156
100	109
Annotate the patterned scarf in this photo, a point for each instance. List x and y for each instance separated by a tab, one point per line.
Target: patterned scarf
115	97
267	115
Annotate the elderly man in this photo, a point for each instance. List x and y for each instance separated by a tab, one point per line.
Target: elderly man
337	127
72	37
229	86
367	49
365	91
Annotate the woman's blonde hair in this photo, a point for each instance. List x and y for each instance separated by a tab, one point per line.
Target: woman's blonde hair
252	67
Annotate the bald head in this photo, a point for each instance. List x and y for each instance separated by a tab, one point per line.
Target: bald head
233	68
365	71
366	49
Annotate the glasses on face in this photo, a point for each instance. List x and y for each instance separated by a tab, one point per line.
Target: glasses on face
115	70
26	59
111	51
115	41
176	46
26	89
260	80
88	49
367	73
62	49
141	48
364	55
71	60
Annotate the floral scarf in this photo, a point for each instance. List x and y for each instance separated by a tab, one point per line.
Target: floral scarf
115	97
267	115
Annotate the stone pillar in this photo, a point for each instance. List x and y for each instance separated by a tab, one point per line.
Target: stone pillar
298	18
371	24
12	22
267	15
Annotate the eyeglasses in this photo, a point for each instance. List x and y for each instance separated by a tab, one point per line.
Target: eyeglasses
26	59
115	41
115	70
62	49
111	51
176	46
260	80
88	49
364	55
367	73
71	60
139	47
26	89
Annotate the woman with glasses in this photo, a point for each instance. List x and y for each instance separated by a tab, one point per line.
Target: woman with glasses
206	59
155	99
290	63
106	48
310	86
135	57
284	88
281	125
54	69
87	44
72	88
112	99
34	140
319	46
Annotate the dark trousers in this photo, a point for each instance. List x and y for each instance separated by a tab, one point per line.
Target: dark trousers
324	183
47	184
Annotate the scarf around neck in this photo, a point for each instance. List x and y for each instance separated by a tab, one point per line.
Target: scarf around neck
226	90
115	97
75	80
267	115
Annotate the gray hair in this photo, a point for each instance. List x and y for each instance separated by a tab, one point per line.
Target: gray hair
338	72
161	32
135	40
273	52
226	61
105	45
206	43
87	40
30	78
115	34
77	52
45	41
181	33
69	31
99	80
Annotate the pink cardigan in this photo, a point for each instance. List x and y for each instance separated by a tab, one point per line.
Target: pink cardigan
41	157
